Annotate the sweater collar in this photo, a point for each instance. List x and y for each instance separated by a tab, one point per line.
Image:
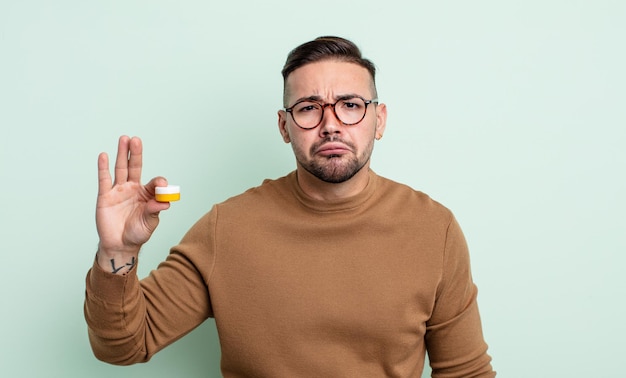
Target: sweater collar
341	204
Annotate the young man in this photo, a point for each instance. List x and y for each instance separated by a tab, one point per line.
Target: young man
330	271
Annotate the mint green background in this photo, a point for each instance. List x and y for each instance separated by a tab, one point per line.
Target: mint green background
511	113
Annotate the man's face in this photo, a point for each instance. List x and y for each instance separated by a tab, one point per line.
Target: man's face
332	152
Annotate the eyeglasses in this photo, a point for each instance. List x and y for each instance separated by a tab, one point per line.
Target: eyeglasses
308	114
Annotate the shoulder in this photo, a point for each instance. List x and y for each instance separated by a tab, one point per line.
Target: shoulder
413	200
270	191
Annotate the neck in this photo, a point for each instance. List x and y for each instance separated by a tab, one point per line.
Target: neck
326	191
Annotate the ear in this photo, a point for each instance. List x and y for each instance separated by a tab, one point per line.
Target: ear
282	126
381	120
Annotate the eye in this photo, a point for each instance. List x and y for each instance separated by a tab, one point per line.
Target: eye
351	104
305	107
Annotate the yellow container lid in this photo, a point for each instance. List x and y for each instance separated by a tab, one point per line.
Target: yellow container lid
167	193
170	189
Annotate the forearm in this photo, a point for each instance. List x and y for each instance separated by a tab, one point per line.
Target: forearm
115	314
131	320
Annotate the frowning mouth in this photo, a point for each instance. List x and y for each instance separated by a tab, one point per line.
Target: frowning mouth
332	149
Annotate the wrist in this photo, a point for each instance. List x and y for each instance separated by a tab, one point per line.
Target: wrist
116	262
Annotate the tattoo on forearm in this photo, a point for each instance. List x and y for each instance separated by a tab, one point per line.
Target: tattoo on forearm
130	265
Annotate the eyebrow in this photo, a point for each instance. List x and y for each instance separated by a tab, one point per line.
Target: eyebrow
318	98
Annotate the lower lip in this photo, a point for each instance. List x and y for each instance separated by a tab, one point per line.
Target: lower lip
337	151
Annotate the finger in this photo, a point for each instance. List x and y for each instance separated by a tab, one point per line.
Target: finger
135	160
104	176
121	162
157	181
153	207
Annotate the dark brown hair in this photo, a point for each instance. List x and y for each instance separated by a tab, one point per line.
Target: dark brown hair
327	48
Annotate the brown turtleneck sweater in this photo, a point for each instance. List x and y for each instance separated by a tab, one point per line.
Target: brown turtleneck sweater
360	287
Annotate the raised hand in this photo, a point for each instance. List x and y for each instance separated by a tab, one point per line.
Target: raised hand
126	211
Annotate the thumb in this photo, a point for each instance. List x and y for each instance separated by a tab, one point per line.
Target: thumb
153	207
157	181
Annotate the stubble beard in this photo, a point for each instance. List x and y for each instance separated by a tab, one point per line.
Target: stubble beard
335	169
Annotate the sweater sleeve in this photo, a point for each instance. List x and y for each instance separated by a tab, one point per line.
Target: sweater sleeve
454	339
129	320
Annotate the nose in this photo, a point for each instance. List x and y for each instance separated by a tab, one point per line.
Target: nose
330	123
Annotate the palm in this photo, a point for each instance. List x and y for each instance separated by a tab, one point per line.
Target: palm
126	212
120	217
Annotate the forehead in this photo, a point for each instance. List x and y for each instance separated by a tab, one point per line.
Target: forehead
328	79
